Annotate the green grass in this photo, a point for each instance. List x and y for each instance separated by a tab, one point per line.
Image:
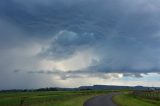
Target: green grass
154	95
77	101
50	98
130	100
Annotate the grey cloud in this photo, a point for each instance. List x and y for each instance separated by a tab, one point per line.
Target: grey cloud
80	15
16	71
123	34
126	30
84	74
66	43
137	75
25	81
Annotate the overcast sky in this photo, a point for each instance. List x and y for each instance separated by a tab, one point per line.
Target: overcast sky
69	43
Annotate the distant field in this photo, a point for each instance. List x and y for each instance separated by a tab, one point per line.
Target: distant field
131	100
50	98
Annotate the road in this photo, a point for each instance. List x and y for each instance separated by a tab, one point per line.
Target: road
102	100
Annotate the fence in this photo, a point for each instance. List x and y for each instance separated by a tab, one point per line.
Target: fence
155	95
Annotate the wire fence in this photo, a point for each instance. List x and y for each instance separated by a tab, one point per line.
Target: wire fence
155	95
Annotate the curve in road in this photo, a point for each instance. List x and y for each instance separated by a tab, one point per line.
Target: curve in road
102	100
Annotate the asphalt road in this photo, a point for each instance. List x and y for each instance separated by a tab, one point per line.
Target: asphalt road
102	100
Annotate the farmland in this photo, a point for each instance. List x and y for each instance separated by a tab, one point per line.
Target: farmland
76	98
47	98
155	95
138	98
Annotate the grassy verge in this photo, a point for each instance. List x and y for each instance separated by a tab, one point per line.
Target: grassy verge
58	98
77	101
130	100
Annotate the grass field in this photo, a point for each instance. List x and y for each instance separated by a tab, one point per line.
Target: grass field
50	98
131	100
154	95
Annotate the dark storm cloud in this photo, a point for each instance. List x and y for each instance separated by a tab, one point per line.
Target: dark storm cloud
78	16
65	43
127	34
123	34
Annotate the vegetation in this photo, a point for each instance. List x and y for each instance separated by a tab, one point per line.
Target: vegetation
47	98
131	100
152	94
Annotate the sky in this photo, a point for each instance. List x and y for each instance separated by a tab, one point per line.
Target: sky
71	43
